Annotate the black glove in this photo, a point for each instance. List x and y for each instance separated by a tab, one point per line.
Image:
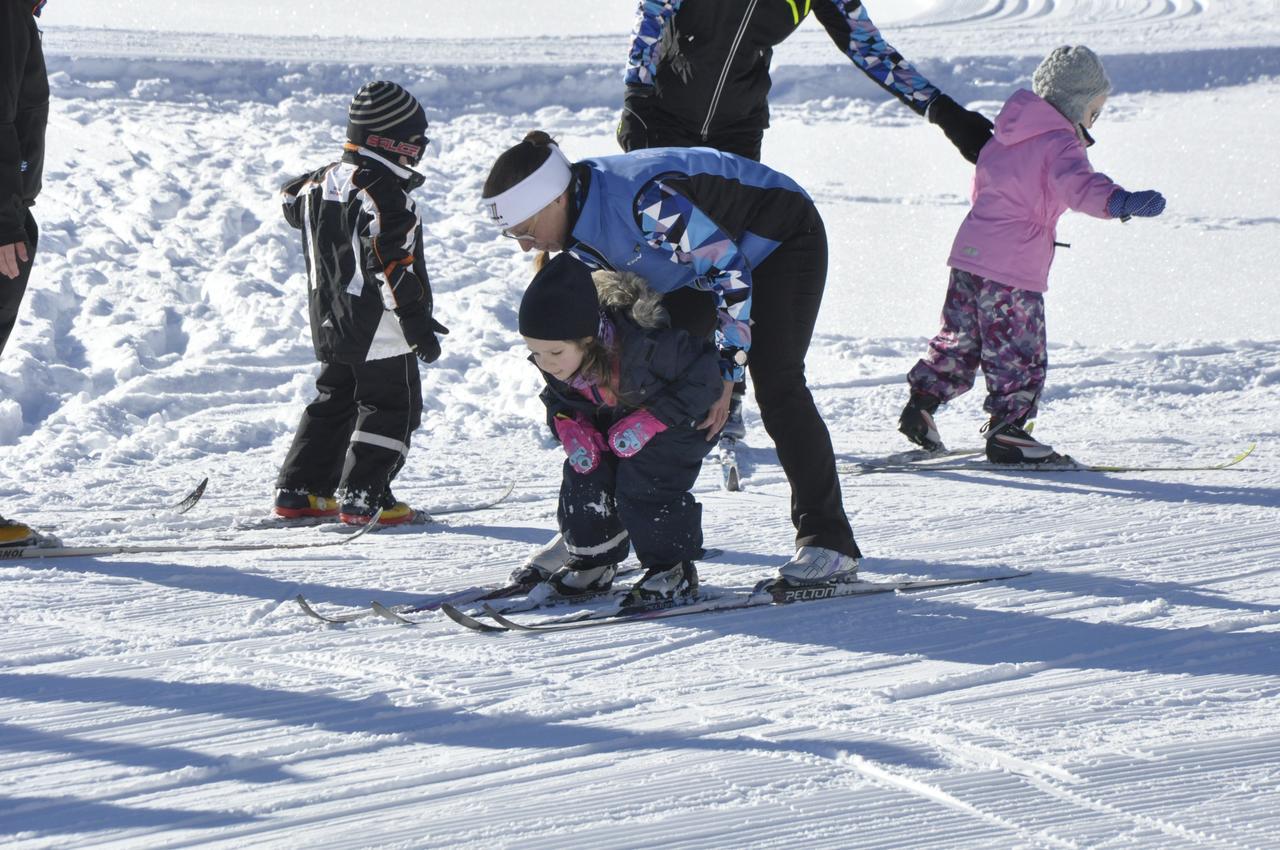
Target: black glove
966	129
420	331
633	126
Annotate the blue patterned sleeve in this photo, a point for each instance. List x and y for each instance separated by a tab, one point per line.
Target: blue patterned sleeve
672	222
854	33
651	18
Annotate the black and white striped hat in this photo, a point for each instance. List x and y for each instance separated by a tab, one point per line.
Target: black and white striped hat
385	118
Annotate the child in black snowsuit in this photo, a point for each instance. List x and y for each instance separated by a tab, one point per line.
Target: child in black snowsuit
371	313
624	393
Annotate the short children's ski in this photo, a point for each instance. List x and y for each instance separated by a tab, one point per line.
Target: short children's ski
44	552
912	458
395	613
482	505
421	515
1069	466
767	592
461	597
189	501
728	456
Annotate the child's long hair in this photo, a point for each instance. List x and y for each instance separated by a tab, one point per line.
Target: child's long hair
597	366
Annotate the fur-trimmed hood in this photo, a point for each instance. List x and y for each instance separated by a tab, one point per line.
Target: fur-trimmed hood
629	293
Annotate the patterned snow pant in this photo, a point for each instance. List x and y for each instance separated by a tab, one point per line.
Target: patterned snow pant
997	328
353	438
642	500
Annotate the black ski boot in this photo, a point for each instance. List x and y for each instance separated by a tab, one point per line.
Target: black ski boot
916	422
664	583
1011	443
572	580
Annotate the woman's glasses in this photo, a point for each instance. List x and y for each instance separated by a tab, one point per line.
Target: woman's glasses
511	233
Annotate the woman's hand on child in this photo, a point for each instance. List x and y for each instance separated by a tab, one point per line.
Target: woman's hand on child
632	432
581	441
718	414
1145	204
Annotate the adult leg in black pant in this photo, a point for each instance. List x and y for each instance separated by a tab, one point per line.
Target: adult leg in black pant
786	294
11	291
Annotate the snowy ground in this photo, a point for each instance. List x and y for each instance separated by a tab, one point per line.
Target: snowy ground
1124	695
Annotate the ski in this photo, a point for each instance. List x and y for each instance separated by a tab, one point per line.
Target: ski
421	516
483	505
189	501
43	552
461	597
395	613
1070	465
908	458
768	592
728	455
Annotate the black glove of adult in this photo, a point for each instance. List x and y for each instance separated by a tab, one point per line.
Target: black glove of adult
633	125
420	331
966	129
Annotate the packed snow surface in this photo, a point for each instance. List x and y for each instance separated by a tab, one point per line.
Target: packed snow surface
1124	694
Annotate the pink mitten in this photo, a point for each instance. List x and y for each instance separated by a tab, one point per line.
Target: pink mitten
630	433
582	443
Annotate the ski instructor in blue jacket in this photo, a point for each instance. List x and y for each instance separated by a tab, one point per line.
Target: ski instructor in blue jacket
711	230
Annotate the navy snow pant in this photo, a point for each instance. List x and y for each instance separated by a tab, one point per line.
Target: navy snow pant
643	500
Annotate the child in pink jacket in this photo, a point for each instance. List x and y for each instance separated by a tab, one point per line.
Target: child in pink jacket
1032	171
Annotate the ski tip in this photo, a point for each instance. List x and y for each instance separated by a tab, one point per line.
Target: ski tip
468	621
387	614
189	501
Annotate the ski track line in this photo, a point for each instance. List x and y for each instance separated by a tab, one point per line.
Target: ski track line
1046	779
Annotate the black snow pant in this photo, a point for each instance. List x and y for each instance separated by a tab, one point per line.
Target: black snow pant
786	292
642	500
11	291
353	438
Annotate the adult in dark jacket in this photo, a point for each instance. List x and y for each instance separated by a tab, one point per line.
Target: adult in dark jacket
624	393
371	313
24	112
697	220
698	73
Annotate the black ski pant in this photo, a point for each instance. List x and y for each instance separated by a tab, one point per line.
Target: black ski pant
786	292
11	291
353	438
658	129
643	500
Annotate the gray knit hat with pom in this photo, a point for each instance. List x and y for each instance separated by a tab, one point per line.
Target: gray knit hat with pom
1069	78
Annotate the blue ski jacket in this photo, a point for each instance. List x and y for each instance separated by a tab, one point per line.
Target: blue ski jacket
692	217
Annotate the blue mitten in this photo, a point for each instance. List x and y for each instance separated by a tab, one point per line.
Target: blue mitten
1146	204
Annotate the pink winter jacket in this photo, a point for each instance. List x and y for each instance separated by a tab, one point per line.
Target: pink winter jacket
1032	171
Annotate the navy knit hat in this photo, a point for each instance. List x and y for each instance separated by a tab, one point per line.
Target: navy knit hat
560	302
384	117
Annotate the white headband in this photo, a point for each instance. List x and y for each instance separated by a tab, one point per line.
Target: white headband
532	193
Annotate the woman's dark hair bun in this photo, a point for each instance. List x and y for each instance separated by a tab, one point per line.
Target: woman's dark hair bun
539	138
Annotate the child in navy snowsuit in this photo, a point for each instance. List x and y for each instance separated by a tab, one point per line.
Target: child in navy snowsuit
371	314
624	392
1028	175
